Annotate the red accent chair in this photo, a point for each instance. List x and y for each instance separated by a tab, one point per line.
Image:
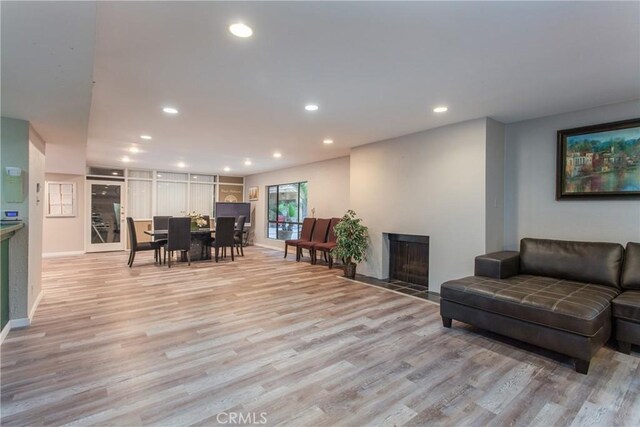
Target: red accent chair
328	246
308	225
319	235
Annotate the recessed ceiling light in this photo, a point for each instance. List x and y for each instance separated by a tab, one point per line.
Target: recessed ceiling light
240	30
440	109
134	150
170	110
159	176
227	169
145	137
247	162
194	177
181	165
328	141
277	155
311	107
114	173
126	159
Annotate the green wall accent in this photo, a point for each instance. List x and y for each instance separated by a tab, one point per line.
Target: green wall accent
14	151
4	277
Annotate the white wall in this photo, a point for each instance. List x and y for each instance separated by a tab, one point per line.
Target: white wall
36	215
66	159
494	186
328	187
429	183
531	209
65	235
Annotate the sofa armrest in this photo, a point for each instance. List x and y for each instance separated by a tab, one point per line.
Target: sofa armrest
498	265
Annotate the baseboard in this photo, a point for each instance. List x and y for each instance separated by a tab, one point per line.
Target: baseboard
20	323
61	254
35	305
5	332
275	248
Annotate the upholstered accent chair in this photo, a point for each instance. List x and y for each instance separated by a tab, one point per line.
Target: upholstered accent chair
308	224
320	232
327	246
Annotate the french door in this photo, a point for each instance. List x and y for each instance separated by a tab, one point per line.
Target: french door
106	223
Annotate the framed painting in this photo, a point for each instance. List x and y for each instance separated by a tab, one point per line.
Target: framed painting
600	161
253	194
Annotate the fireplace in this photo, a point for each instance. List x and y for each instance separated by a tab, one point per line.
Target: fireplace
409	258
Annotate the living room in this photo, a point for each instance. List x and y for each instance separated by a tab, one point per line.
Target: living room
448	124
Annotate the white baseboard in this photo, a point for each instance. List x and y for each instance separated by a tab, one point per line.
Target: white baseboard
5	332
275	248
35	305
19	323
61	254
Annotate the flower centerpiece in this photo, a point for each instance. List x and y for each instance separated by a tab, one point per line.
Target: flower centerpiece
197	220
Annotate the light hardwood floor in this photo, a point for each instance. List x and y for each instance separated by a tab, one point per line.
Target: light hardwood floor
111	345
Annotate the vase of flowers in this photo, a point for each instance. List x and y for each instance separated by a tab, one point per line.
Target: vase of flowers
197	220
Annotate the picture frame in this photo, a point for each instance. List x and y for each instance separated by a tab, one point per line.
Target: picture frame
253	194
60	199
599	161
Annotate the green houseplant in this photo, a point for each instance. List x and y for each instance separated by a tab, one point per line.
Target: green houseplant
351	242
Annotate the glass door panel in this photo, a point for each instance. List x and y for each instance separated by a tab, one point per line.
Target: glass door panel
106	220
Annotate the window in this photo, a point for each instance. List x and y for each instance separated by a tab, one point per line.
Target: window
139	194
151	193
286	208
171	196
201	194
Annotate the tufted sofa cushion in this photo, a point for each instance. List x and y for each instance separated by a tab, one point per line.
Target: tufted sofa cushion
576	307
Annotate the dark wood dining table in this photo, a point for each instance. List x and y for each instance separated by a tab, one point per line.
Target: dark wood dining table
198	235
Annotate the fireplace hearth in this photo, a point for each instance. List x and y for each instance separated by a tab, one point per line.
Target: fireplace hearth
409	259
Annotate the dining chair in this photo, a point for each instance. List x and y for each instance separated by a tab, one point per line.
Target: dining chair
308	225
179	237
225	235
161	223
239	232
136	246
328	246
320	231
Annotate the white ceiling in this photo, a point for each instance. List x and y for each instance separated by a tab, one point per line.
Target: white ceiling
47	61
375	69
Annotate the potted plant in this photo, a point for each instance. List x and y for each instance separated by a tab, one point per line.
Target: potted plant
351	242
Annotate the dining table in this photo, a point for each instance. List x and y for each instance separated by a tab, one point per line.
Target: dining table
198	237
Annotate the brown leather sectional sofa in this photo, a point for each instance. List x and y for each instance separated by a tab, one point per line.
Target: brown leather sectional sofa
626	307
554	294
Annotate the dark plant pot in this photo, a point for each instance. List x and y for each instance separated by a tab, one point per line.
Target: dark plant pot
350	270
